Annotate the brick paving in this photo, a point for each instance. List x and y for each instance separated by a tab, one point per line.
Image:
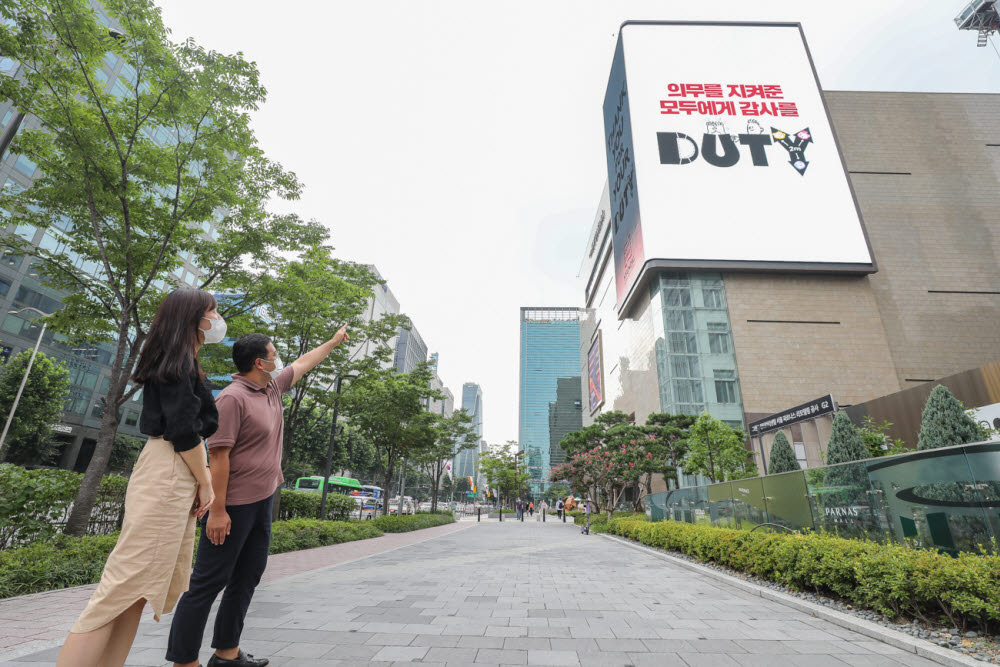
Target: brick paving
522	594
33	622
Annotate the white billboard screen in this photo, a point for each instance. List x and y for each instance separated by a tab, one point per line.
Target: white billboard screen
722	148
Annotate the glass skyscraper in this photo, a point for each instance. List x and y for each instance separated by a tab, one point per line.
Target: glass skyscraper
550	383
467	460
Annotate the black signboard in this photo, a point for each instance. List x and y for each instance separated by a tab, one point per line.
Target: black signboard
810	410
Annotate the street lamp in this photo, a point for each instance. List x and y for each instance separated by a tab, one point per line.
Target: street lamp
333	441
24	380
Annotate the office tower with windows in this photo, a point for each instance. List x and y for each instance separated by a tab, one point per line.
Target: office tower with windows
550	387
467	460
382	302
410	350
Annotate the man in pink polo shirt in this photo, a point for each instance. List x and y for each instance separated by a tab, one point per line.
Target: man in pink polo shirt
245	458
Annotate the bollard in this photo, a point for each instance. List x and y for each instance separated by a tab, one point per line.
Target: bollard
522	515
501	514
478	510
564	516
543	515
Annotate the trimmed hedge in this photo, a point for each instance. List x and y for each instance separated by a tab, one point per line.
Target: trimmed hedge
305	505
599	520
74	561
404	524
894	580
298	534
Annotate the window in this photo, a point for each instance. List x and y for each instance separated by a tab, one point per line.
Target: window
684	366
6	118
98	410
688	391
725	391
78	400
718	343
683	343
131	418
29	297
800	454
680	320
713	297
678	296
25	165
4	286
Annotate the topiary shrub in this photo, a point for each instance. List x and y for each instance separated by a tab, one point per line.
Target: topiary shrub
845	443
782	457
944	422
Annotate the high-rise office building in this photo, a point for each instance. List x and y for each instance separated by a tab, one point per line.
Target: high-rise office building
550	402
382	302
410	350
467	460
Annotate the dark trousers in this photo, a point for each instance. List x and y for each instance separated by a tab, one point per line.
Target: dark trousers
236	566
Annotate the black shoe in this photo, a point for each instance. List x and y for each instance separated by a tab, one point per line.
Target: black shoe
242	660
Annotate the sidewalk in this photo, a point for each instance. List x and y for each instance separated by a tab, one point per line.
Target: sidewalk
35	622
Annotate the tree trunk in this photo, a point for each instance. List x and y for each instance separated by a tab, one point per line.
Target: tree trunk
435	483
711	460
386	492
79	517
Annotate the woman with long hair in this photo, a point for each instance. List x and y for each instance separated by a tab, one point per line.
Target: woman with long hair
168	491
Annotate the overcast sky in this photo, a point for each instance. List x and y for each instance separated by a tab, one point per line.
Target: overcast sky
457	145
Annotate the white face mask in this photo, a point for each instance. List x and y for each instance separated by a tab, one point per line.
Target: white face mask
278	367
216	331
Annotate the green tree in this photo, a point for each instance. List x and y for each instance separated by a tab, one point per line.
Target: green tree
716	450
944	422
452	436
782	457
314	296
556	491
583	440
877	439
504	471
29	439
387	409
125	452
461	486
668	445
133	171
845	443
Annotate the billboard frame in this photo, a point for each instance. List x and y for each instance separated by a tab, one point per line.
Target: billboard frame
598	344
652	265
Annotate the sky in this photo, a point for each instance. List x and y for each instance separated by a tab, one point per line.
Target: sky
458	145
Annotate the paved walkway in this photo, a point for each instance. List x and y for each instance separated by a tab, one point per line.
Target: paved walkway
523	593
33	622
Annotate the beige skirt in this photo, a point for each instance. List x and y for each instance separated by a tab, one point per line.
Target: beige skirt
152	559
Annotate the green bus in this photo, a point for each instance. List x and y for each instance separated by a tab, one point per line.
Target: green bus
345	485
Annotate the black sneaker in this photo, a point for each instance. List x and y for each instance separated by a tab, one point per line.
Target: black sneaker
242	660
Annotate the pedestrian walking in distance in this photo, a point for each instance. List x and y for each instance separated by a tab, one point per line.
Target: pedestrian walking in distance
168	490
559	508
245	454
531	509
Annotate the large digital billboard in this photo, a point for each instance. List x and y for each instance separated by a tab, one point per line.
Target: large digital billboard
595	374
721	155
